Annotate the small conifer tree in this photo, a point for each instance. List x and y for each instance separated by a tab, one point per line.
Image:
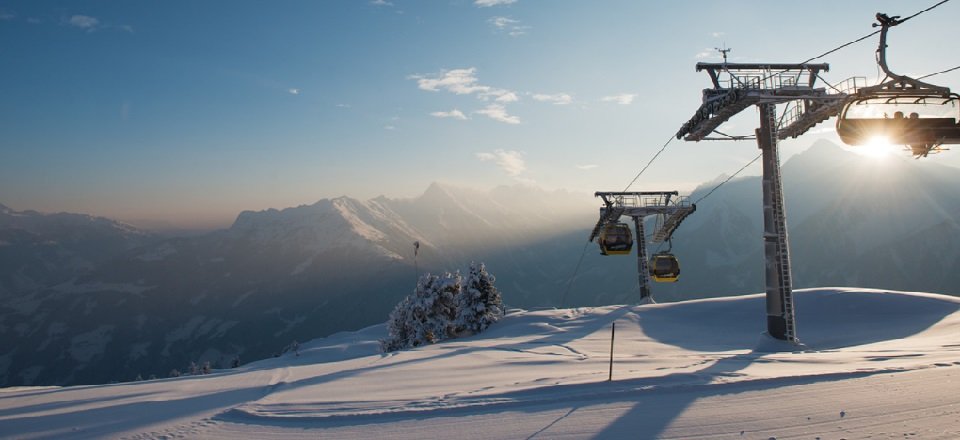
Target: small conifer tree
479	303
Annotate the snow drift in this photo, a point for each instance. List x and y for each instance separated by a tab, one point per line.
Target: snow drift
544	373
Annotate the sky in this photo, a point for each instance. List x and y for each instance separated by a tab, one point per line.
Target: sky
183	113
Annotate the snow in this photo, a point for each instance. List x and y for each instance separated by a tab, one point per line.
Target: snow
873	363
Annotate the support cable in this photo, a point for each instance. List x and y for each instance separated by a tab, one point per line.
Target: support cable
664	147
860	39
728	179
872	33
937	73
563	301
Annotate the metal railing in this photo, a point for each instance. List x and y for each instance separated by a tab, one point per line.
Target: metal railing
796	109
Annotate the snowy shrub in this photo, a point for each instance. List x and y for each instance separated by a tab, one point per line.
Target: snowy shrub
426	316
437	310
442	310
479	303
399	327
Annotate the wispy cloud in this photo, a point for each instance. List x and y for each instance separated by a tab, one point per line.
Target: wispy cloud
718	34
458	81
381	3
622	99
706	53
85	22
7	16
389	127
293	91
489	3
502	22
342	105
556	98
508	25
500	95
465	82
455	114
498	112
509	161
588	166
89	24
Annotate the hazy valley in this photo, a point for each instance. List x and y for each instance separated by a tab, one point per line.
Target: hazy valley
90	300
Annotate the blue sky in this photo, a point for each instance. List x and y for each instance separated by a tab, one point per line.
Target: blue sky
189	112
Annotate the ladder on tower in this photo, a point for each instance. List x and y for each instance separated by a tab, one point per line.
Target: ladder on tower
783	253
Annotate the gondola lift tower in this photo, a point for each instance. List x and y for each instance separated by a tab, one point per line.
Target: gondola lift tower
736	87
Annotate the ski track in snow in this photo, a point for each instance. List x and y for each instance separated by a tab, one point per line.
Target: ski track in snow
684	370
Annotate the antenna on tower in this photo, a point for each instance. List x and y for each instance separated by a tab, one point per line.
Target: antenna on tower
724	51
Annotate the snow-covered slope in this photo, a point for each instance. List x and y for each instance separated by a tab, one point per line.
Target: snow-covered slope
877	364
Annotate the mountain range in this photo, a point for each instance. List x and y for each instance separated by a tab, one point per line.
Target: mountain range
86	299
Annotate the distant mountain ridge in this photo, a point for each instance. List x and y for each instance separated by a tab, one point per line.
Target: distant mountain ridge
82	312
273	277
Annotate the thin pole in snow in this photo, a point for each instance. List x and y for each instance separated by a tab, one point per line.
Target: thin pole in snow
613	332
416	268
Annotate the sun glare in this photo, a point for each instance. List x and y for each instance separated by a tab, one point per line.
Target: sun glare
879	147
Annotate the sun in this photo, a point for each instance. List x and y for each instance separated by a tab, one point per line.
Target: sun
879	147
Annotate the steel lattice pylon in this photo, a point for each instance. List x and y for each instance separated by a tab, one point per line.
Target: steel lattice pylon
735	88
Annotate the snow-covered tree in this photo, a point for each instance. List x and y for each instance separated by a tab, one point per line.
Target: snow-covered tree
479	303
426	316
443	310
399	327
444	307
422	321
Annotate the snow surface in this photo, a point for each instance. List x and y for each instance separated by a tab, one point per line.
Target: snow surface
877	364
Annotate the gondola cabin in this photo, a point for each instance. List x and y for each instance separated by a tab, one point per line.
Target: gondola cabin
921	123
900	110
664	268
616	239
